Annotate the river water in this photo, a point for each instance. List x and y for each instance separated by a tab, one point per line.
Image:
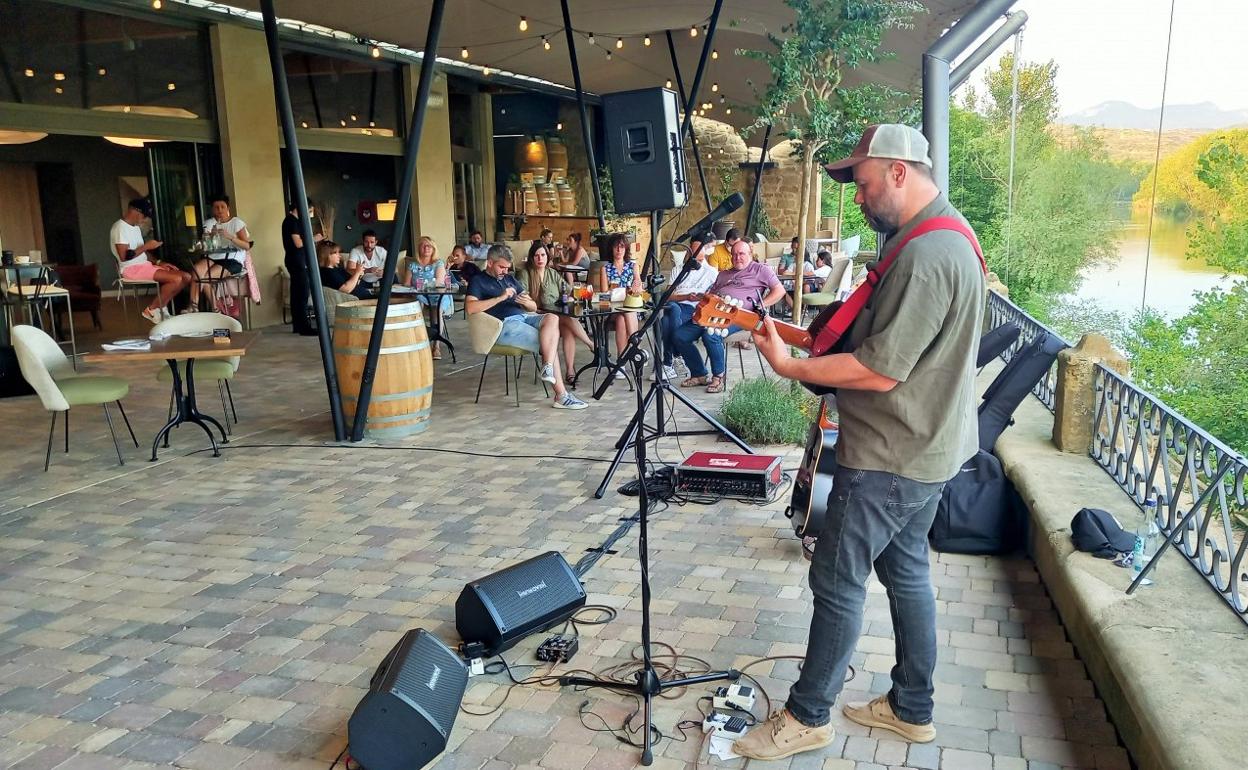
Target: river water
1173	279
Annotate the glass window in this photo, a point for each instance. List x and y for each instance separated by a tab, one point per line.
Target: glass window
56	55
357	96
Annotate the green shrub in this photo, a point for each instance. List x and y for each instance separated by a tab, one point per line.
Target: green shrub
769	411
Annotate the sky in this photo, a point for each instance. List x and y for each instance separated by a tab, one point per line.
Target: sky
1116	50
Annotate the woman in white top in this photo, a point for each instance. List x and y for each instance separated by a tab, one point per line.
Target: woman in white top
227	236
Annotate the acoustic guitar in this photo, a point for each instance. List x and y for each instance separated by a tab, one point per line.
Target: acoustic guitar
718	313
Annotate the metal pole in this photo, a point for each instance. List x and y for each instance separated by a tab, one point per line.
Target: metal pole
287	116
580	103
693	135
697	75
758	183
428	61
1013	22
936	80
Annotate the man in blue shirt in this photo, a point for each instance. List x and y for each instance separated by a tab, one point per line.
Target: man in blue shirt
498	293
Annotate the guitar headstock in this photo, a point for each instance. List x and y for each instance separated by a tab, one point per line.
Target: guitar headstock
718	313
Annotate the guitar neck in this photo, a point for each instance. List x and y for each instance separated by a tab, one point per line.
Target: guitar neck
790	333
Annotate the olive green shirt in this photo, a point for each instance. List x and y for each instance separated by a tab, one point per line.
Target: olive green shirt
547	295
921	328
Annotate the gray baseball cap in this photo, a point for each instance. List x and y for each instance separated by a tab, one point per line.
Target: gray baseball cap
886	140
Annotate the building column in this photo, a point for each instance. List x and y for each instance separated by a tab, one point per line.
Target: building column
483	136
251	152
433	198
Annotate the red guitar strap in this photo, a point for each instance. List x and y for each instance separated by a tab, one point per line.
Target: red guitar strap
844	315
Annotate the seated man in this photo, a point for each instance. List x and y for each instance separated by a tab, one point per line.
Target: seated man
138	260
788	261
755	284
497	292
370	255
722	258
477	248
684	299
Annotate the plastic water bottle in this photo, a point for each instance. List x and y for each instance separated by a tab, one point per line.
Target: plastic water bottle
1147	540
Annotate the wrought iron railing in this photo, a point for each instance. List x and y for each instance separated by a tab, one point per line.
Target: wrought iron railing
1201	485
1001	310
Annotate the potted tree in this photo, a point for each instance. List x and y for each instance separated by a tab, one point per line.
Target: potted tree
728	176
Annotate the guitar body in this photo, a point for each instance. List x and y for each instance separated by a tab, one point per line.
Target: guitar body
813	483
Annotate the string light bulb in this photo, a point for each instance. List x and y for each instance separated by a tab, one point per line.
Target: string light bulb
303	124
619	42
608	56
714	53
668	84
342	123
376	51
29	72
714	88
591	38
60	90
558	126
728	111
58	75
354	117
693	31
171	86
524	24
157	4
102	71
545	43
463	53
646	41
722	100
485	71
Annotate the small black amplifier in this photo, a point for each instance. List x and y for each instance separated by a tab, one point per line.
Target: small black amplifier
558	649
725	474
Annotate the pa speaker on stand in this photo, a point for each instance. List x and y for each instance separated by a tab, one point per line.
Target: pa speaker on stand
644	150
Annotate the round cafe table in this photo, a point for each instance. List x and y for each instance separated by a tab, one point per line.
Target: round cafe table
432	299
597	323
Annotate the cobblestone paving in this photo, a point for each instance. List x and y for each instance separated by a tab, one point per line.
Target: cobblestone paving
222	613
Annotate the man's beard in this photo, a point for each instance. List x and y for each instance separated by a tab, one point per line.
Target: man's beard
881	221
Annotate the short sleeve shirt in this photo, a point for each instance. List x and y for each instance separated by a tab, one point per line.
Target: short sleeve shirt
921	328
290	228
486	286
378	260
132	236
233	227
751	282
697	282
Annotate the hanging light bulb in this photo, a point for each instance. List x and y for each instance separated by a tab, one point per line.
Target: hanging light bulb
668	84
728	111
524	24
29	72
171	86
342	123
485	71
608	56
303	124
463	53
354	117
102	71
372	124
693	31
60	90
545	43
58	75
558	126
647	40
714	53
619	42
722	100
714	88
591	38
157	4
376	51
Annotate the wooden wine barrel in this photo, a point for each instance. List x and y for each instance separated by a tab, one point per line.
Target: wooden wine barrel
567	200
529	194
403	386
557	159
548	199
531	156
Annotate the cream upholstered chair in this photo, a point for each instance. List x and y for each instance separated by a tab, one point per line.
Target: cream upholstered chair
47	370
332	299
220	369
483	332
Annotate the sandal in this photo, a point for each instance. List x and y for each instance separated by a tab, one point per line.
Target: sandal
716	385
437	354
693	382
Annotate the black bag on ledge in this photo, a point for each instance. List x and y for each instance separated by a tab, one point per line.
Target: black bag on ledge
980	511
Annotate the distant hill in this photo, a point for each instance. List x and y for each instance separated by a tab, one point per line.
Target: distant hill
1118	114
1135	145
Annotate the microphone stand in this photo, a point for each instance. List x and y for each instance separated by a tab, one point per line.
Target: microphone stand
648	683
637	432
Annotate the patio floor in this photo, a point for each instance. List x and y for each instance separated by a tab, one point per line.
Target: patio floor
220	613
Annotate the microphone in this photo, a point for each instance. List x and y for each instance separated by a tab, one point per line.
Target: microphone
729	205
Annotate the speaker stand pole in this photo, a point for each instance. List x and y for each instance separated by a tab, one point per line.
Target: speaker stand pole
648	683
637	431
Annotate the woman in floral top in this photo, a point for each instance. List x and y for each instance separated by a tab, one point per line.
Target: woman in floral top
620	270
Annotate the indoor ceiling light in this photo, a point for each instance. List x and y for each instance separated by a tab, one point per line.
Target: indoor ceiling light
385	210
20	137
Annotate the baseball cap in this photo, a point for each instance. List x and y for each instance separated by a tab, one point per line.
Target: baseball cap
886	140
142	205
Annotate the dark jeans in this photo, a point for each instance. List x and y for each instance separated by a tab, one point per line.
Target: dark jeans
881	519
300	292
675	315
689	333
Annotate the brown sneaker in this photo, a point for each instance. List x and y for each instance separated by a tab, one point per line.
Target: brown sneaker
879	713
782	736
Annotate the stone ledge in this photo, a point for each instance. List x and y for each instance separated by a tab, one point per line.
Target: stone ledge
1169	661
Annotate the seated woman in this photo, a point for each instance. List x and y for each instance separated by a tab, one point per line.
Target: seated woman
430	271
620	270
460	265
227	233
544	284
574	255
334	275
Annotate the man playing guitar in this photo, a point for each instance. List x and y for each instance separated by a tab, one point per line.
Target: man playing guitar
906	402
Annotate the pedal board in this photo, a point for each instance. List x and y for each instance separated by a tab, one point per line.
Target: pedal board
557	649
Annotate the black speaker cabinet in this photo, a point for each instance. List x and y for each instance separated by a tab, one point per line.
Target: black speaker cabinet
503	608
644	150
406	718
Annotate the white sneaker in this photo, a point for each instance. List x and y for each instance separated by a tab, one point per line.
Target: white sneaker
620	375
154	315
569	401
669	373
165	314
548	374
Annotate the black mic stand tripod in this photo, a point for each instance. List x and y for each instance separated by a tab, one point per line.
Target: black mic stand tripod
648	683
637	431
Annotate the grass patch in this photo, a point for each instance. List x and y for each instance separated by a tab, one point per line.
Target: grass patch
769	411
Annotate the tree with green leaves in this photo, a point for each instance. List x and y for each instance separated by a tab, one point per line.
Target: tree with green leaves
808	97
